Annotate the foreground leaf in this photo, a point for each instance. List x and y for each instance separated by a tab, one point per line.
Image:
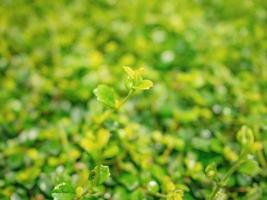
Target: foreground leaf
143	85
107	95
63	191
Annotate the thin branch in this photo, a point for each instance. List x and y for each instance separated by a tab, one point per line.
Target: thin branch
222	182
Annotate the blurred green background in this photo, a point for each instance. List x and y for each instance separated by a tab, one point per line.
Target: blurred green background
207	60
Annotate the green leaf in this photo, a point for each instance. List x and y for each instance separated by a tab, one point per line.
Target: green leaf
245	137
175	195
250	167
100	174
107	95
143	85
130	72
120	193
130	181
129	83
211	170
221	195
137	195
63	191
134	75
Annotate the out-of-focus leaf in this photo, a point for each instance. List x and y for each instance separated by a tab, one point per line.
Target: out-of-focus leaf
175	195
211	170
153	186
130	181
250	167
245	137
137	195
130	72
100	174
221	195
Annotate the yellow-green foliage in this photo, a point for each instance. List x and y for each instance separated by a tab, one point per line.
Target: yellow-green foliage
132	100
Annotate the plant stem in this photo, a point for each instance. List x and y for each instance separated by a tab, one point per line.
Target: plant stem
159	195
259	152
223	181
86	192
125	99
64	139
109	112
83	194
155	194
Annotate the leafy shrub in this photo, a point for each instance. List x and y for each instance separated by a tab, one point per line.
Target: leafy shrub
72	126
